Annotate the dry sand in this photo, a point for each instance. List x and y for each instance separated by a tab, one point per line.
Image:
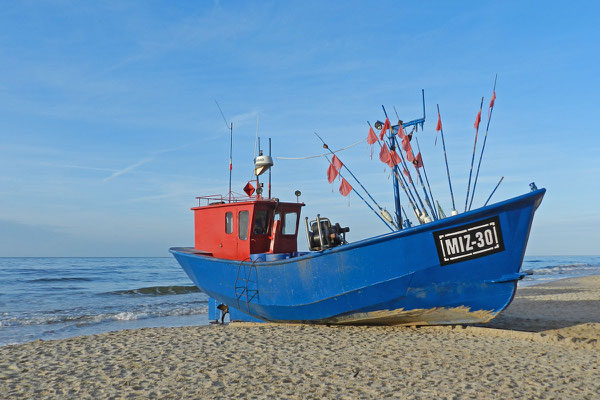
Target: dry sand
546	345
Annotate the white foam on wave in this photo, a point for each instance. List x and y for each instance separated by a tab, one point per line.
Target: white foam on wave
101	317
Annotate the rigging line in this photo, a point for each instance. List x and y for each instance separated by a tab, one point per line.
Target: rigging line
405	165
426	178
431	207
362	198
320	155
222	115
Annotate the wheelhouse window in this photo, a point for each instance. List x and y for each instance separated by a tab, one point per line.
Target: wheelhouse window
228	222
243	223
289	223
261	222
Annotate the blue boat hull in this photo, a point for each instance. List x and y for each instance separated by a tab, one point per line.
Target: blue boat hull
400	278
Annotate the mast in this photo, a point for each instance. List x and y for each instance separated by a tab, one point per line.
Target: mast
269	169
230	127
230	157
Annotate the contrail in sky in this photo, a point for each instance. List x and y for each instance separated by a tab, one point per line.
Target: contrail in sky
127	169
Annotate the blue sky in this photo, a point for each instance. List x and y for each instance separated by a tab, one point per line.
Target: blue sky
108	126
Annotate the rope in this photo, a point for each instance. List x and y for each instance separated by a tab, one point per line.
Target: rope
320	155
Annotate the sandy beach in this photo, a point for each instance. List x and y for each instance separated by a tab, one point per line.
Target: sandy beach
545	345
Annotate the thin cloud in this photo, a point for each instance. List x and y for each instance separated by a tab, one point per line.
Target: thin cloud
155	197
80	167
127	169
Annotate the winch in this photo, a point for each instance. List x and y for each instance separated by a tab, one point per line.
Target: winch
321	234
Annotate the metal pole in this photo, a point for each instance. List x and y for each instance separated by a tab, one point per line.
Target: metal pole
404	185
446	158
257	177
394	143
230	127
484	142
413	185
493	191
270	169
426	178
397	204
473	156
230	157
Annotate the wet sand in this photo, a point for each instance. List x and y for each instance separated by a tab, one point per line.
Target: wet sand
545	345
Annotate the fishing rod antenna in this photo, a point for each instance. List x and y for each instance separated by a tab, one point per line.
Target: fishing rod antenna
230	128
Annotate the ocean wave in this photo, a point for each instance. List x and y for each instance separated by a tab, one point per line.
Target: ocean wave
157	291
66	279
562	269
81	320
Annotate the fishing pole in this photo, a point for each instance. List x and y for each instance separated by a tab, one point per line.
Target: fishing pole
473	156
394	144
412	183
325	146
491	109
493	191
429	204
230	127
394	168
362	198
454	212
404	186
426	178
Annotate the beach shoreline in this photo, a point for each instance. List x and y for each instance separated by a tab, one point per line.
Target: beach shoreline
546	344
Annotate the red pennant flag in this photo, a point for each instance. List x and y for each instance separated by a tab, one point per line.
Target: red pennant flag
345	188
386	126
394	159
478	120
332	173
401	131
384	154
418	161
407	175
410	157
438	127
493	99
336	162
406	144
371	138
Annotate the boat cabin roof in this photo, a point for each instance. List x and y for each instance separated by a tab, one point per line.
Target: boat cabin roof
235	230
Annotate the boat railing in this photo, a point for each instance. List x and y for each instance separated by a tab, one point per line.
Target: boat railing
212	199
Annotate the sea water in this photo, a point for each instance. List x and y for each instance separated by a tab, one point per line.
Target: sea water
52	298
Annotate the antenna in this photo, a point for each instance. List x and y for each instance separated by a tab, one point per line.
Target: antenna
256	137
230	127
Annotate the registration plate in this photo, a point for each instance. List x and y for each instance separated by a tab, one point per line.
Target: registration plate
469	241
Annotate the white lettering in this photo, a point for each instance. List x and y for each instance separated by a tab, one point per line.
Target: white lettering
479	237
462	246
489	237
452	246
468	242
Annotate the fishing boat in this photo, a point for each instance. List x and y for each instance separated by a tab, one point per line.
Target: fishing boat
463	268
